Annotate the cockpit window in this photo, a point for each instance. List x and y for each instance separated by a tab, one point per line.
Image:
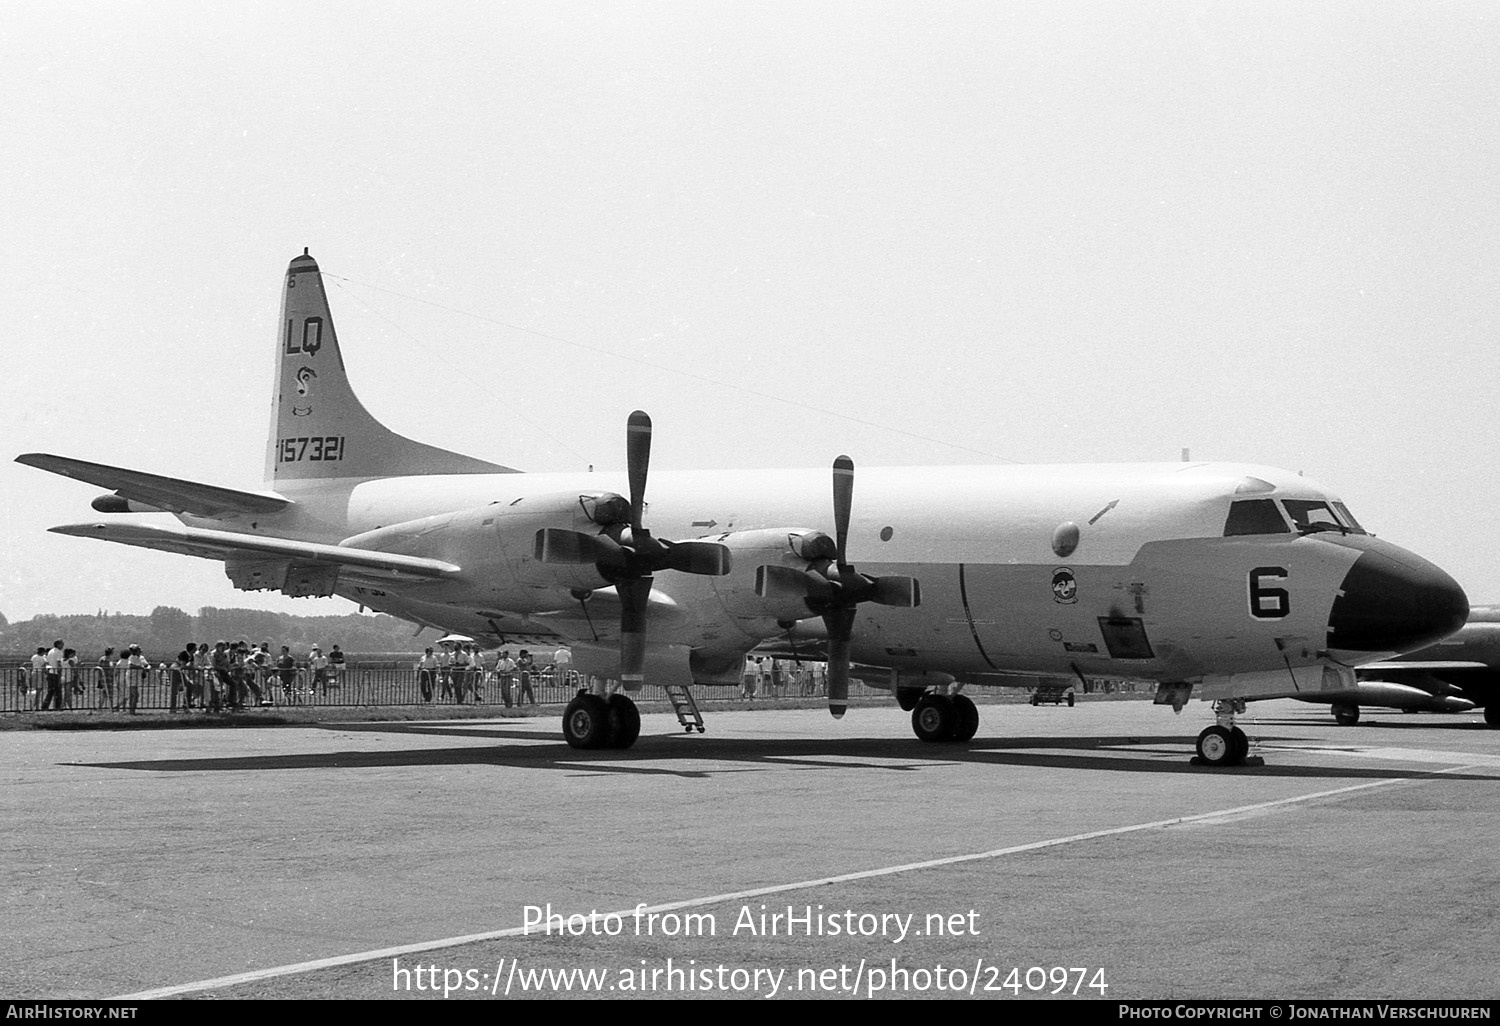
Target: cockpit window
1254	516
1348	518
1311	515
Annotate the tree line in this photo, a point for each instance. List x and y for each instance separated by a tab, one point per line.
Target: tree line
167	629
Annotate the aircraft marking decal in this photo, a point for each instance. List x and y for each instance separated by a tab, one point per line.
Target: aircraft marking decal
1112	504
325	448
1268	603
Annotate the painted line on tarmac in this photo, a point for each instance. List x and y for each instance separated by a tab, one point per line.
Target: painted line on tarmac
298	968
1420	755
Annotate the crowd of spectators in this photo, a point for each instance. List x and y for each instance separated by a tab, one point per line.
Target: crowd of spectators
458	672
227	676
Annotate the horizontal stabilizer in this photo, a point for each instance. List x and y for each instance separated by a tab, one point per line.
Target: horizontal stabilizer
230	545
165	493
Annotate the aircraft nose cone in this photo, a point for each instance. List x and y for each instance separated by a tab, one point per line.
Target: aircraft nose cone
1394	601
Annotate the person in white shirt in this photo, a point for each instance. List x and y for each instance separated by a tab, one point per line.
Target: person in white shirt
427	668
52	671
505	669
318	663
135	667
38	679
463	663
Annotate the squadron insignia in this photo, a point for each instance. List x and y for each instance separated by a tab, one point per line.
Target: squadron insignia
305	378
1064	586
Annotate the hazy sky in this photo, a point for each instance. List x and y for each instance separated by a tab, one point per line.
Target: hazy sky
943	233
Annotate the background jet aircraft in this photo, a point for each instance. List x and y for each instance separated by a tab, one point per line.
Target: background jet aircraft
1231	581
1457	674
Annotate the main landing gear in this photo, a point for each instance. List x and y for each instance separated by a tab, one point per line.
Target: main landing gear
1224	744
592	721
939	717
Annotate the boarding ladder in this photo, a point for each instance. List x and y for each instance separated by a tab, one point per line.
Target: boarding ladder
681	697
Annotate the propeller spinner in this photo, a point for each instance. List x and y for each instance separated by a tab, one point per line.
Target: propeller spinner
832	588
627	554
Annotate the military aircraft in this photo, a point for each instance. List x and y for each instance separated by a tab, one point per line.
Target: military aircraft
1236	581
1457	674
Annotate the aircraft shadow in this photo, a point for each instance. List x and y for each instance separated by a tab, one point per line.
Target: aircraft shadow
653	755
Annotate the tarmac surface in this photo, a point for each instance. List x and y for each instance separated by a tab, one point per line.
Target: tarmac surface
1077	847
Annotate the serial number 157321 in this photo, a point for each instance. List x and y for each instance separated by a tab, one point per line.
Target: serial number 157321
318	448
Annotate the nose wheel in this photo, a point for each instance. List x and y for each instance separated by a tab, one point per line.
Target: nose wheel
1224	744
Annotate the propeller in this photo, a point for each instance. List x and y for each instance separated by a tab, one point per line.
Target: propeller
626	553
832	588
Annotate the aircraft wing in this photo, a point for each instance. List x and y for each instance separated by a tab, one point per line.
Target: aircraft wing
230	545
166	493
1422	664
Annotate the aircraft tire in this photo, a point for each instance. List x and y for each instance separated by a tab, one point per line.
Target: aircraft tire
1346	715
1492	714
966	717
1217	746
1241	744
933	719
907	698
586	722
624	722
1070	699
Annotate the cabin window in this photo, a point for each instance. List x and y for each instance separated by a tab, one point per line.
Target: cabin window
1254	516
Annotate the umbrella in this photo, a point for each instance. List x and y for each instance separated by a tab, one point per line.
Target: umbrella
454	639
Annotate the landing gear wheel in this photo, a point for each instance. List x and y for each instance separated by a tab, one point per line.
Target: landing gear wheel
1492	713
1241	745
586	722
1070	699
1346	715
624	722
1218	747
966	718
934	718
907	698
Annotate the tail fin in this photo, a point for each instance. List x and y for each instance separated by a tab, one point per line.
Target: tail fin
319	428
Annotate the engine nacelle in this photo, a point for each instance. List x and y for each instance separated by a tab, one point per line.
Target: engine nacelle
773	546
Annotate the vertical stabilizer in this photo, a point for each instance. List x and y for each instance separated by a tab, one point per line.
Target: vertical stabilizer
319	428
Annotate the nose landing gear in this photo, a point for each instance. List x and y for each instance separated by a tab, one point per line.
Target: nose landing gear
1224	744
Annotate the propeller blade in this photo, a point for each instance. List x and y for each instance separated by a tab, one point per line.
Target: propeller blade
635	593
905	592
840	624
637	462
555	545
843	500
695	557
